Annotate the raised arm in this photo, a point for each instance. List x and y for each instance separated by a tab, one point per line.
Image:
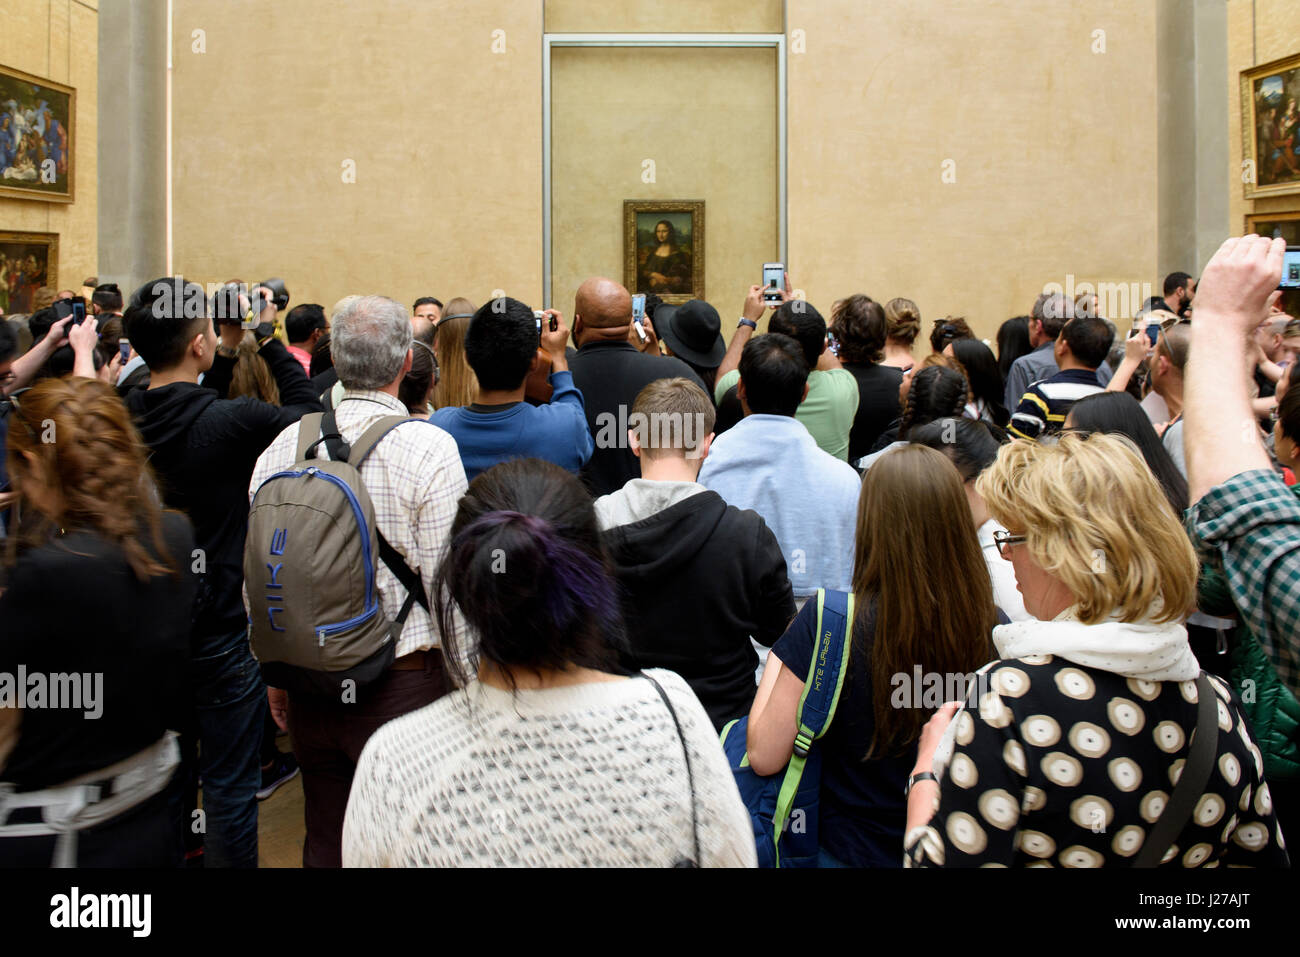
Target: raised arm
1220	435
1136	348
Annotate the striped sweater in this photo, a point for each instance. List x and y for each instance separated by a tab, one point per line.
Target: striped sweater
1045	405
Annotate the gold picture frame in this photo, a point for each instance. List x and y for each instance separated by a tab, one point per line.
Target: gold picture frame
1270	128
1287	225
668	262
17	285
38	119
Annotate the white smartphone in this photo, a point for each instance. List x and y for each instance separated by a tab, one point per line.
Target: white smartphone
638	315
773	281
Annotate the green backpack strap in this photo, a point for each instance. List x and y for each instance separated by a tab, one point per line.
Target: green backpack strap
821	695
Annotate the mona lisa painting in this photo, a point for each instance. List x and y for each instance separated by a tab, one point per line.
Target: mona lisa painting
663	248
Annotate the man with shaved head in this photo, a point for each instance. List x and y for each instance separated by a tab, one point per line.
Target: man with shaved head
610	372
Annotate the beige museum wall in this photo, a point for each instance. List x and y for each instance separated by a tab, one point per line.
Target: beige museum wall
1054	150
444	133
1054	147
59	40
655	16
1259	31
704	117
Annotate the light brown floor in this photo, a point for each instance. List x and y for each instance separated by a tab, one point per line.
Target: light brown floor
280	828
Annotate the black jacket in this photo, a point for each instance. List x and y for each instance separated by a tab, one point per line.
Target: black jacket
204	449
74	607
610	375
698	579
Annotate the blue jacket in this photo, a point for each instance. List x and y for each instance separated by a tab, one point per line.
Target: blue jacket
809	498
490	435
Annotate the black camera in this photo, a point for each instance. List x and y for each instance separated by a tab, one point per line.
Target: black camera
74	307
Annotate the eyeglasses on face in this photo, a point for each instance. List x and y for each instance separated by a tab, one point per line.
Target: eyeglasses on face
1004	539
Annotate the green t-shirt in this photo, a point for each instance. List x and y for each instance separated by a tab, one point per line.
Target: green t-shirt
828	411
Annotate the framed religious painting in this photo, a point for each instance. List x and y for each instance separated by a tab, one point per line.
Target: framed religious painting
37	117
663	248
1270	128
28	261
1271	225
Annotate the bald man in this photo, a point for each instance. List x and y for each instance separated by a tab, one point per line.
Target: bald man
610	372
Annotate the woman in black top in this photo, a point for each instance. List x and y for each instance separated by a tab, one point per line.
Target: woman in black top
860	326
908	634
96	610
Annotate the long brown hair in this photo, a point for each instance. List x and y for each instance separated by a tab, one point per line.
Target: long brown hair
458	385
251	375
918	556
93	462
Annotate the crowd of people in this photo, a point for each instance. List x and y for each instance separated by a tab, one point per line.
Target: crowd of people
504	578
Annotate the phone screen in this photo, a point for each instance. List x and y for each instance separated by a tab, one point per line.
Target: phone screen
78	311
773	281
125	346
638	307
1291	269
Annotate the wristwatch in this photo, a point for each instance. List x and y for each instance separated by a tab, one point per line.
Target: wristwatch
919	776
747	322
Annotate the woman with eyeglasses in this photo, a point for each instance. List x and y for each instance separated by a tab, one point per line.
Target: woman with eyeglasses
1076	752
95	613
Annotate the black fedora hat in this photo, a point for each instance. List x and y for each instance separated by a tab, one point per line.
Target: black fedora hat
693	331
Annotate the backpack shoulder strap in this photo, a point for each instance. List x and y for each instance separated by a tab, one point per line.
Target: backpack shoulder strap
364	445
405	574
827	670
1192	781
821	693
308	432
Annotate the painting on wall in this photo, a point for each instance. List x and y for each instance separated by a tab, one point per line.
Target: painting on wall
663	248
28	261
1270	128
36	137
1286	225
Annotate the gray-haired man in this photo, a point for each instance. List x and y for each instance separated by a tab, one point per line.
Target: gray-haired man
414	478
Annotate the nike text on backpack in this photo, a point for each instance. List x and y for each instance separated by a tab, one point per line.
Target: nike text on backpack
783	806
310	562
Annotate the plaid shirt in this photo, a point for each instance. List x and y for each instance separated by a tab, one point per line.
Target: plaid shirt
1251	524
414	479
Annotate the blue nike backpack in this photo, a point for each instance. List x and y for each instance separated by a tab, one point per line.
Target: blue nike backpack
783	806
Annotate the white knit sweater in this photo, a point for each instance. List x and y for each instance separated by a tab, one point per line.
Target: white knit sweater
589	775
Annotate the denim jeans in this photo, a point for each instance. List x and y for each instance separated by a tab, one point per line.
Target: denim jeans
229	703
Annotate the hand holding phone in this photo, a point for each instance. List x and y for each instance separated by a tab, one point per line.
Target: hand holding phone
638	316
1290	269
773	283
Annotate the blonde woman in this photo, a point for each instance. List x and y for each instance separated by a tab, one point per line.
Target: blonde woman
904	320
1072	754
457	385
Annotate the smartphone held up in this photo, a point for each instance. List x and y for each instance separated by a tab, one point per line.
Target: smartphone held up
773	281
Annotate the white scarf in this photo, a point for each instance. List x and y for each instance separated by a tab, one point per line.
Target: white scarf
1130	649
